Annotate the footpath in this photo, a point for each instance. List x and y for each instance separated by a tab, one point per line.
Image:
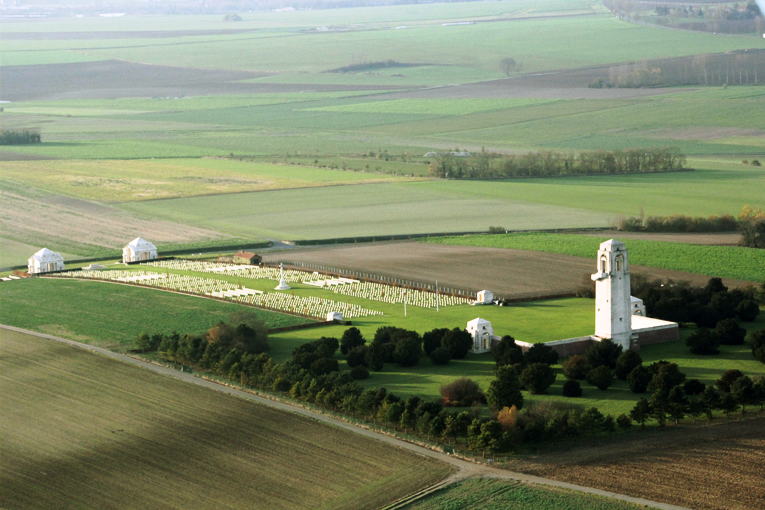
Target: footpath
465	468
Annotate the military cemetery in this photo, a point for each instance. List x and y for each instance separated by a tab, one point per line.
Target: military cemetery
360	255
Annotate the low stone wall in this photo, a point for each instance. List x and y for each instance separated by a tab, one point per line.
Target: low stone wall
658	335
565	348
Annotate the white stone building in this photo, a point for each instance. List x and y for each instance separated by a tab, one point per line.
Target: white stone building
638	308
613	303
139	250
45	261
482	333
485	297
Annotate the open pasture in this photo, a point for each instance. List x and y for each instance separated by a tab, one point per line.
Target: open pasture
112	315
706	468
118	436
492	494
723	261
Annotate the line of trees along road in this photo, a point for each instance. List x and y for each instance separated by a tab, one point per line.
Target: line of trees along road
489	165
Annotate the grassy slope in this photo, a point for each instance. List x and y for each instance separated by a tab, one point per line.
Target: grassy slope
117	436
723	261
113	315
500	494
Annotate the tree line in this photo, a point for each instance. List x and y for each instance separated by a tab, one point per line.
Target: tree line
489	165
19	137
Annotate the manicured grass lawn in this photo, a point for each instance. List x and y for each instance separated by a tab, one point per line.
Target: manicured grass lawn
84	431
723	261
113	315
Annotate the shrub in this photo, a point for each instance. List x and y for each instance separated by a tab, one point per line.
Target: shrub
357	356
458	342
757	343
703	341
605	352
507	352
432	340
601	377
728	378
666	376
626	363
541	353
694	387
440	356
748	310
351	339
462	392
408	348
19	137
505	389
639	379
250	338
537	377
624	421
576	367
572	388
360	372
730	333
324	366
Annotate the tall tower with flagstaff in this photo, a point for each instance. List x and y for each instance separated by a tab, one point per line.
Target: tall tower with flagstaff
613	313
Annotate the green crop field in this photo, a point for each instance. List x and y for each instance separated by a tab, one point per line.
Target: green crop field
118	436
487	494
113	315
723	261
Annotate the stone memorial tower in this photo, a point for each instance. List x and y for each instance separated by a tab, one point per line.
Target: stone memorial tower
613	312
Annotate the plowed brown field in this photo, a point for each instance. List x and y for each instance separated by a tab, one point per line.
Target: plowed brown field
717	467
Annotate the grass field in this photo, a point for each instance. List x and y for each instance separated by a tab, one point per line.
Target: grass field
113	315
488	494
723	261
117	436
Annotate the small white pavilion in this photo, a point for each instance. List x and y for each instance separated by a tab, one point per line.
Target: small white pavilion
45	261
139	250
482	332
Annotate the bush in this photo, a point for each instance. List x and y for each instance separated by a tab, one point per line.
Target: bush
505	389
757	343
462	392
351	339
639	379
728	378
408	348
359	372
324	366
624	421
730	333
507	352
16	137
572	388
440	356
251	338
432	340
748	310
537	377
666	376
694	387
605	352
703	341
541	353
357	356
626	363
601	377
458	342
576	367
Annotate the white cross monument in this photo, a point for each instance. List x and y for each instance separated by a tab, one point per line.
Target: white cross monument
282	283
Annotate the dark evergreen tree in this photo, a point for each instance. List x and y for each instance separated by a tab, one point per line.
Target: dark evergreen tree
537	377
432	340
505	389
576	367
351	339
601	377
605	352
729	332
571	388
507	352
458	342
626	363
639	379
541	353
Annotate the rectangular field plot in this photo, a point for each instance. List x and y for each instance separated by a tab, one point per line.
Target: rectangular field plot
84	431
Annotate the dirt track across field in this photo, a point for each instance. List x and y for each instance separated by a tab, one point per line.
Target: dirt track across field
508	273
706	468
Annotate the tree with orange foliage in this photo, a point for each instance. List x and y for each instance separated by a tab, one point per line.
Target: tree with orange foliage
751	224
508	417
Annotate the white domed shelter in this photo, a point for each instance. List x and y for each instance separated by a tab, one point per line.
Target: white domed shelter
45	261
139	250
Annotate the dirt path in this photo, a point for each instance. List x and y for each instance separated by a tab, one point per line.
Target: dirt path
466	469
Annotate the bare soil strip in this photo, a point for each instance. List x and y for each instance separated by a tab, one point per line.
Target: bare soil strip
467	469
508	273
716	467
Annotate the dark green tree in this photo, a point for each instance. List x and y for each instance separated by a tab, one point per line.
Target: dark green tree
742	390
728	404
660	407
351	339
458	342
703	341
507	352
668	375
537	377
605	352
505	389
694	387
440	356
729	332
678	404
591	421
571	388
728	378
541	353
748	310
639	379
360	372
624	421
626	363
357	356
601	377
756	342
408	349
576	367
710	400
432	340
641	412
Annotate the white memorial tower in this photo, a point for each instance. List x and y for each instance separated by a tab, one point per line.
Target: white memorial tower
613	312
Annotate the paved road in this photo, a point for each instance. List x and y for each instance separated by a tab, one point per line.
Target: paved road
465	469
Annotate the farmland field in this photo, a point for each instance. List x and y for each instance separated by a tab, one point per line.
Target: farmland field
488	494
113	315
706	468
723	261
117	436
